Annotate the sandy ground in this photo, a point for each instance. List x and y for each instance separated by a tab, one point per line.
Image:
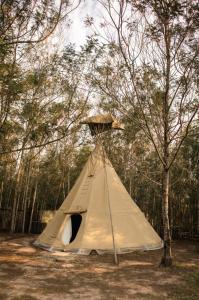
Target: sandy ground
30	273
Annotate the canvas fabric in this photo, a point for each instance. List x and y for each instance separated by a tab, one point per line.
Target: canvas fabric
106	209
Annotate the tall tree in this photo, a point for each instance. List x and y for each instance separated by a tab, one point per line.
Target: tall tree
149	67
40	99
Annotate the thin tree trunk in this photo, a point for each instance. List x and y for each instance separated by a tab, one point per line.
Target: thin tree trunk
57	199
1	193
130	186
33	206
197	228
63	188
68	177
14	207
12	226
25	200
166	258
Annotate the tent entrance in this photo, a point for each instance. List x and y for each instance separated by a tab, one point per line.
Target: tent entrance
71	228
76	220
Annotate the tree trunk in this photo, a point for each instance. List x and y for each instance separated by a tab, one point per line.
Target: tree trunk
130	186
1	193
63	189
198	217
166	258
58	194
15	203
33	206
24	208
68	179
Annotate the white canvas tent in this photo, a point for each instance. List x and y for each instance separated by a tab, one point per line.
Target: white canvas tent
99	214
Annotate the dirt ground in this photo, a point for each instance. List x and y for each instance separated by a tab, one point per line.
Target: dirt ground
30	273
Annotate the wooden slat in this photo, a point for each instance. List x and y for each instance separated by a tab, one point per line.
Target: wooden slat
75	212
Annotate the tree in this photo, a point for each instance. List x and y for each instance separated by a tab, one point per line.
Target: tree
149	67
40	100
29	22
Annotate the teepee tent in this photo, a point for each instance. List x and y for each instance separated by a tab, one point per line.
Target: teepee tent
99	214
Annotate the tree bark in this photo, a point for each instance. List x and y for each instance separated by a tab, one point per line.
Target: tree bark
166	258
1	193
198	215
15	200
24	208
68	179
33	206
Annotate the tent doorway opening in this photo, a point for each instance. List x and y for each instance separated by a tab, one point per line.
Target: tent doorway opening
76	220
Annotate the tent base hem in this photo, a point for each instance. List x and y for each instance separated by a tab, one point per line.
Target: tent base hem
84	251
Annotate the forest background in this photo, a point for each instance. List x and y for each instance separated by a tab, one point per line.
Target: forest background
141	69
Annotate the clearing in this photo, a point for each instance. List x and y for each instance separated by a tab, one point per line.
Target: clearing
30	273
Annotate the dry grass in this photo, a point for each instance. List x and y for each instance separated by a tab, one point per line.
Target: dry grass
27	273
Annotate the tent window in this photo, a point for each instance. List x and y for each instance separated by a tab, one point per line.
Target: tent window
76	220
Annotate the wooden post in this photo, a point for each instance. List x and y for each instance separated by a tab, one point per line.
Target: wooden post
109	205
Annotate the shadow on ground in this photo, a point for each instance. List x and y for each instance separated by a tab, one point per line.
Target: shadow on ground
30	273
